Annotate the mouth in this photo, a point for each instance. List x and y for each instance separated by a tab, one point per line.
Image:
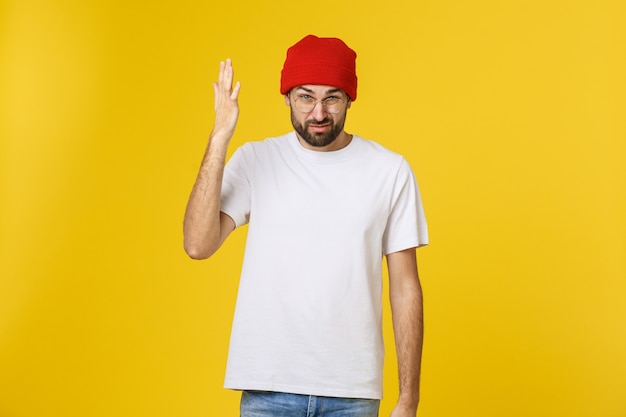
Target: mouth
319	128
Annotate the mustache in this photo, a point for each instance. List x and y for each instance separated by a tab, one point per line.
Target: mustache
319	122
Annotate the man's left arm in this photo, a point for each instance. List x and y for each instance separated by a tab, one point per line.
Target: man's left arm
405	294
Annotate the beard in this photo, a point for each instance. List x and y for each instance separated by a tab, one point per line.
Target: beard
318	139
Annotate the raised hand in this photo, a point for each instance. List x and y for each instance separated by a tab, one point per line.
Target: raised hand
205	227
226	104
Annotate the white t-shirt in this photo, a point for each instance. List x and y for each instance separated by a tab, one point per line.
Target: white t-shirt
308	313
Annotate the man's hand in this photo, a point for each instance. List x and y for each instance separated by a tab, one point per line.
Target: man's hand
205	227
226	105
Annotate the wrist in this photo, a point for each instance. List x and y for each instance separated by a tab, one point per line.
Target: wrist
220	135
218	142
408	403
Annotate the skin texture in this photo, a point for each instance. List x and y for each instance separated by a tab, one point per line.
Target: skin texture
206	227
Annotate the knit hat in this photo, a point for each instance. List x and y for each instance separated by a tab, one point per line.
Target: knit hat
323	61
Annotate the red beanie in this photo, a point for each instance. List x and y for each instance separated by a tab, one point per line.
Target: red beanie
323	61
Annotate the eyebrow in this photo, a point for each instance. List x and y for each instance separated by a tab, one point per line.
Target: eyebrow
327	92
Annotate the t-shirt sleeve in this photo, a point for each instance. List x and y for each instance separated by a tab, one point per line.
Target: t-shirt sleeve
406	225
235	201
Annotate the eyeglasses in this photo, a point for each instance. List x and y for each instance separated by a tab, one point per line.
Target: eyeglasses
305	103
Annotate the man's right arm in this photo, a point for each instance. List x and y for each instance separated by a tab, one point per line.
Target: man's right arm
205	226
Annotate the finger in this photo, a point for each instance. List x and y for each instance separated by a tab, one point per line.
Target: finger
235	94
221	73
228	75
215	93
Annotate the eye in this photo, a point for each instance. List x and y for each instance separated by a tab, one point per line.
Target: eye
331	100
305	97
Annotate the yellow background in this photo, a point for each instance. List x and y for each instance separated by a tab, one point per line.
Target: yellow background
512	114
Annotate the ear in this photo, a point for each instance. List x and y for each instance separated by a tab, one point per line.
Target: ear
349	103
287	100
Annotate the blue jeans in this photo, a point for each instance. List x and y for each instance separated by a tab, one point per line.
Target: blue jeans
278	404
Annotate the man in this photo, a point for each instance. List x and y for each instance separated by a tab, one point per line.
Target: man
323	207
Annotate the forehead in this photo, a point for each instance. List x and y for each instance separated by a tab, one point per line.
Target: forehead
318	90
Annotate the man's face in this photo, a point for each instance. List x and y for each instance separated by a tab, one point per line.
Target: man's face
319	127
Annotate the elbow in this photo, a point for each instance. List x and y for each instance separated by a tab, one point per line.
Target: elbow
198	252
196	255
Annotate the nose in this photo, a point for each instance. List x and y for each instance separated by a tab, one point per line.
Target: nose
319	111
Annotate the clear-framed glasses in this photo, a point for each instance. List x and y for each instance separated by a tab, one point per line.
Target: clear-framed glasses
305	103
